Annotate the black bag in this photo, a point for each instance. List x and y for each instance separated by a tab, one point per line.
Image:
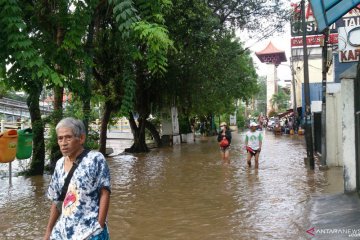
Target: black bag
68	178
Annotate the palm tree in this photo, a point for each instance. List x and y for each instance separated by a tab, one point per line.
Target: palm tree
280	100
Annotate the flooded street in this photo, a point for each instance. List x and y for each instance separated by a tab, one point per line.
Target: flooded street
186	192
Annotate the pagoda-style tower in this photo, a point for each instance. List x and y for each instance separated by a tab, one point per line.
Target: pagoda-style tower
272	57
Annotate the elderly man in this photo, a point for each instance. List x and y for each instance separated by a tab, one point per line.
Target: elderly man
79	188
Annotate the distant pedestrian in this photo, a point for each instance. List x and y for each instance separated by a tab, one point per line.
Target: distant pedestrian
18	123
224	139
291	124
202	129
253	143
266	121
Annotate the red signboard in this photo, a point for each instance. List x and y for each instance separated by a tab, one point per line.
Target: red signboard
313	40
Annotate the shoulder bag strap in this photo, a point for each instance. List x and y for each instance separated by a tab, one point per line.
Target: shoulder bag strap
70	174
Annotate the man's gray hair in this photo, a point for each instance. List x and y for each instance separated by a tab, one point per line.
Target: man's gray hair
77	126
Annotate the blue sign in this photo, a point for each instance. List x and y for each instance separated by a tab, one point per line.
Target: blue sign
327	12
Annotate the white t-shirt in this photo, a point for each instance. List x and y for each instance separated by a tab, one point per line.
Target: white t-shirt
253	139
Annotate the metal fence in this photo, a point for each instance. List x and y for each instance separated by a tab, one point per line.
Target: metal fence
14	108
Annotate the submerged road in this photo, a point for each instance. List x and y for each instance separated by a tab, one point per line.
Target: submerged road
187	192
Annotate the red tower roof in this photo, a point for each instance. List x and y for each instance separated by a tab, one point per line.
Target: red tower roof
271	55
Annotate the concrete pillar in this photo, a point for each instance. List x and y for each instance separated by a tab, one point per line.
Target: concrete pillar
271	85
348	136
175	126
334	128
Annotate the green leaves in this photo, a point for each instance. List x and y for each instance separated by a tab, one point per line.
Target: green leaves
125	15
281	100
210	70
157	42
18	48
142	23
127	104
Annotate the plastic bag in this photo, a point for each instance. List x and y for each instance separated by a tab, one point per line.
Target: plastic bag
224	143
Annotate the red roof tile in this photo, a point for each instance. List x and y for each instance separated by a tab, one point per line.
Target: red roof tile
271	50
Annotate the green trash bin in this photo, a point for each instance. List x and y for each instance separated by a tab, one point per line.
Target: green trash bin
24	146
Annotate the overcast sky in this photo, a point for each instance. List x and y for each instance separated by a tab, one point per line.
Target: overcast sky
282	42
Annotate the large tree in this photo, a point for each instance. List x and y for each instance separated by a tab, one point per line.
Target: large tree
210	68
68	27
142	23
111	71
145	55
26	68
43	43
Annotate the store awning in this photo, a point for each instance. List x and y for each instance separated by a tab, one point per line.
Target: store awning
288	112
326	12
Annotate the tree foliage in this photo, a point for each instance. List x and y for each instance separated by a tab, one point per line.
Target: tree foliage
281	99
143	22
210	69
141	56
261	95
27	68
143	26
19	51
262	18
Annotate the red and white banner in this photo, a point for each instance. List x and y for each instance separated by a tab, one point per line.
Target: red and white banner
313	40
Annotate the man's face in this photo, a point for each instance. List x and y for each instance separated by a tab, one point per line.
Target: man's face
68	143
253	128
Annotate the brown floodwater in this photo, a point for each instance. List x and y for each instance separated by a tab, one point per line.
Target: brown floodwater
187	192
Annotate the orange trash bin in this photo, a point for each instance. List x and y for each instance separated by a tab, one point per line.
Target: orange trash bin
8	145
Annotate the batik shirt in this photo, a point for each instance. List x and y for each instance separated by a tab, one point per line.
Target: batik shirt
253	139
79	218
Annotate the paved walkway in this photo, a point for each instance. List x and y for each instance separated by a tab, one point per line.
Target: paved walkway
115	134
335	216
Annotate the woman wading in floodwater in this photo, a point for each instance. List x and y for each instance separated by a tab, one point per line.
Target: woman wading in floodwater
224	139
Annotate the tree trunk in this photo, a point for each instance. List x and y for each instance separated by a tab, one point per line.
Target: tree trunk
57	115
139	144
142	107
38	152
88	76
103	129
154	132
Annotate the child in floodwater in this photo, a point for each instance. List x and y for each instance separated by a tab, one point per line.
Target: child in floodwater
253	143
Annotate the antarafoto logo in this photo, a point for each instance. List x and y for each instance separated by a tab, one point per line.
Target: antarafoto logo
311	231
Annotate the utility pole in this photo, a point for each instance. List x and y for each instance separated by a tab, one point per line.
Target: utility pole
294	93
308	127
323	113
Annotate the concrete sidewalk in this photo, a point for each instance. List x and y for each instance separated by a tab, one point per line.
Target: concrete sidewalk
335	216
113	134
